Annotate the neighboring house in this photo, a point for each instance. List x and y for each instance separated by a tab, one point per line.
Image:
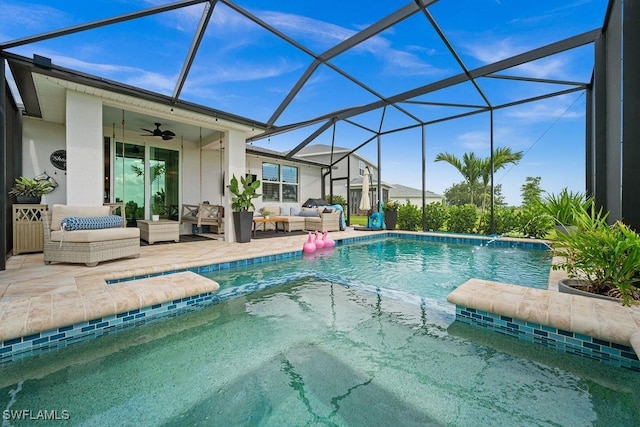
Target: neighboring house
403	194
349	169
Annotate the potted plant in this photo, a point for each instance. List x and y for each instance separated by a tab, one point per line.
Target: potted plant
391	214
241	203
29	190
601	260
266	213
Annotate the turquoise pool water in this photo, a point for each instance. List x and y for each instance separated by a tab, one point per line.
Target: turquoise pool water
361	335
314	353
421	268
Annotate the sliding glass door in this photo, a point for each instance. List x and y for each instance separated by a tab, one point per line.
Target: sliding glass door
146	179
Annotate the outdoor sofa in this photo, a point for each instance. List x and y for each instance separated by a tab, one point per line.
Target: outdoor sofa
295	218
90	234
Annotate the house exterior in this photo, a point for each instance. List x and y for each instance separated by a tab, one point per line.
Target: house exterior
346	174
403	194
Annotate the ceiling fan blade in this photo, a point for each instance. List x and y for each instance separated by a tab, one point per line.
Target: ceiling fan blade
147	130
168	132
167	137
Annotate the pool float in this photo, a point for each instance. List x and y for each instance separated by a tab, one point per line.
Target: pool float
309	247
328	241
318	241
375	220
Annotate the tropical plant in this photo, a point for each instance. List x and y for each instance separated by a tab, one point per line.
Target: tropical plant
476	170
409	217
241	201
30	187
462	219
435	216
606	256
506	221
502	156
534	222
566	206
470	167
531	191
391	205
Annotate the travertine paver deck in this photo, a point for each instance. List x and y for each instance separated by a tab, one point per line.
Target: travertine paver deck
35	297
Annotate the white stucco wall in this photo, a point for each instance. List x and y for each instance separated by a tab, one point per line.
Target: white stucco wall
84	139
39	140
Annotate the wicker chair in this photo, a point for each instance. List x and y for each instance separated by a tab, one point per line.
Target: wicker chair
88	246
204	214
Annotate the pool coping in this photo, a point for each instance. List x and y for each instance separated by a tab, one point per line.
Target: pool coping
599	328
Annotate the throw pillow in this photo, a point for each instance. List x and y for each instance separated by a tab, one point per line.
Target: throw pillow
295	210
309	214
327	210
91	222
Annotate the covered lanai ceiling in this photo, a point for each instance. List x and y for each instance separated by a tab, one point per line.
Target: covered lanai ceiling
296	67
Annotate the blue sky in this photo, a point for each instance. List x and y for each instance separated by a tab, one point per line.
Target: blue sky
244	69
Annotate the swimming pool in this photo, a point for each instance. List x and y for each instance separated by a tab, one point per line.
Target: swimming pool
319	341
314	353
425	269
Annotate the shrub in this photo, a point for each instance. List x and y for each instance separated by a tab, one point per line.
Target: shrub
607	256
534	222
506	220
436	216
409	217
337	200
462	219
565	206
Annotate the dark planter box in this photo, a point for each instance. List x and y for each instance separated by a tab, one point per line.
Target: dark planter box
390	219
568	286
29	200
242	224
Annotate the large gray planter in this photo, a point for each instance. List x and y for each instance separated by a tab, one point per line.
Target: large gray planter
568	286
242	224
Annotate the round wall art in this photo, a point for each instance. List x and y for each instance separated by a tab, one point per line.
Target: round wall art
59	159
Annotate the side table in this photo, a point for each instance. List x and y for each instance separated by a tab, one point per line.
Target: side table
159	231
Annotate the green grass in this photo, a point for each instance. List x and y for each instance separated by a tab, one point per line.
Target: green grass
358	220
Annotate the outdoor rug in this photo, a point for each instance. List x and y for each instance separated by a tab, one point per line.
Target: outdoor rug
184	238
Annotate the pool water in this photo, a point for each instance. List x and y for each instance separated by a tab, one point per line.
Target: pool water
314	353
425	269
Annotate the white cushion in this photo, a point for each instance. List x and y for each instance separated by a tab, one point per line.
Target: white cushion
87	236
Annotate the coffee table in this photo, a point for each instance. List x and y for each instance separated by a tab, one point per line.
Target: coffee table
159	231
264	221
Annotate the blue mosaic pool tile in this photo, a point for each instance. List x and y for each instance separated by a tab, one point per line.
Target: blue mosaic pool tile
18	348
578	344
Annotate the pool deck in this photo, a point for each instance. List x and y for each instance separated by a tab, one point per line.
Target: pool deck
35	297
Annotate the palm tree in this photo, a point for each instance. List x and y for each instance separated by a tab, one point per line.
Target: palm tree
470	167
502	156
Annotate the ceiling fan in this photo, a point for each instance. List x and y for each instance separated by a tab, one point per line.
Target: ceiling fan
165	134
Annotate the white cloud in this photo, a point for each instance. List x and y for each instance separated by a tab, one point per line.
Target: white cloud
489	51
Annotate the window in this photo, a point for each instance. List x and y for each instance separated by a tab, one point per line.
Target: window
279	183
361	167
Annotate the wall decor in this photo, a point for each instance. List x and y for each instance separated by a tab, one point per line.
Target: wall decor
59	159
